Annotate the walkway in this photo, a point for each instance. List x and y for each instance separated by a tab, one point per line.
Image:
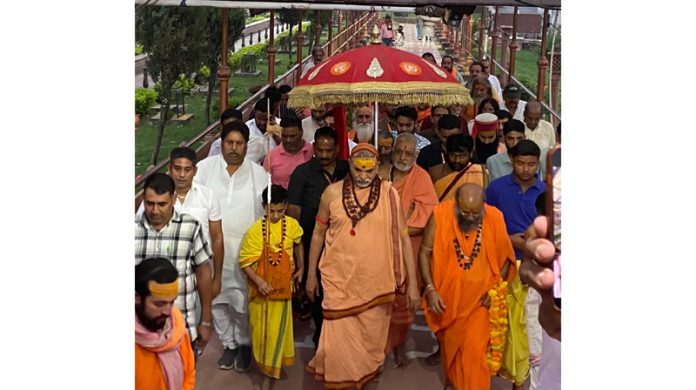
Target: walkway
419	47
417	375
420	343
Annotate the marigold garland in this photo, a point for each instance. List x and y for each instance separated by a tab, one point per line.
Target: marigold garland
499	325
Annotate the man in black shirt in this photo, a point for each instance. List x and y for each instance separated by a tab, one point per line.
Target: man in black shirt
307	183
432	154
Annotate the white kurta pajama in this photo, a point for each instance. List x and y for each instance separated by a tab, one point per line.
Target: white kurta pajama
240	200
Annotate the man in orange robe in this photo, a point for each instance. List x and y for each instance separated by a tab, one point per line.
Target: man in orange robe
418	199
366	257
163	356
458	168
471	253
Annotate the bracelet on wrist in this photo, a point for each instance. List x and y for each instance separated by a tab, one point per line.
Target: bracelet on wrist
429	286
206	324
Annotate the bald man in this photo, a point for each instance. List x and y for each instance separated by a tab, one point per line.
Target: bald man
465	252
537	129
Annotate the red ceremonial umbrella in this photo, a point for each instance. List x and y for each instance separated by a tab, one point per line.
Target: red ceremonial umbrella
377	74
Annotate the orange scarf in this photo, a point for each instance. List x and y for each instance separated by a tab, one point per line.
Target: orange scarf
165	344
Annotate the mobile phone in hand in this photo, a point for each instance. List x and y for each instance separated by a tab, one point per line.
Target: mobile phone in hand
553	212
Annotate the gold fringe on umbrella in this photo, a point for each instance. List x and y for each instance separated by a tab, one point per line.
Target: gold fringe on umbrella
404	93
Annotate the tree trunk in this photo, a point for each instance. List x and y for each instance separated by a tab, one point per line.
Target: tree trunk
317	36
310	33
290	43
164	113
211	86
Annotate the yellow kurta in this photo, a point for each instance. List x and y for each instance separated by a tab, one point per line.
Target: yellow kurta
515	362
270	320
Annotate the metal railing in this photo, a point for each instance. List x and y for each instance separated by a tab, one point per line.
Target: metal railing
545	106
246	107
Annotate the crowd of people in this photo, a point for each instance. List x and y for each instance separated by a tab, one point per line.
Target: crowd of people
439	217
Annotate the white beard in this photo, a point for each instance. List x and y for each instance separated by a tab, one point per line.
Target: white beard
403	167
364	132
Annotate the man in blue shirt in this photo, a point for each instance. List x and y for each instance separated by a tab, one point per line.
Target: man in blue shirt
515	196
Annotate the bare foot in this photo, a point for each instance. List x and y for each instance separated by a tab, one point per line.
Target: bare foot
400	357
434	359
267	383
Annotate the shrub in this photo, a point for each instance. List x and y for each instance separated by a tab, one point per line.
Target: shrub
185	83
138	49
234	60
201	77
204	71
144	99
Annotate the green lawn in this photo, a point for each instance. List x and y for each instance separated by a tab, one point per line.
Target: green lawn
174	135
527	73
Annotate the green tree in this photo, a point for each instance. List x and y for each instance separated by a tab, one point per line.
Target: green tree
289	16
172	38
212	37
319	19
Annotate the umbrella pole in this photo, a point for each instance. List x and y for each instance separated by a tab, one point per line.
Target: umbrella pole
376	121
268	194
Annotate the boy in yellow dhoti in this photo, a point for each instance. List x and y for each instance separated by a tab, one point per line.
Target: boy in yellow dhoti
266	257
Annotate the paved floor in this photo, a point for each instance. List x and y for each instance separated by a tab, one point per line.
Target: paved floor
420	343
417	375
419	47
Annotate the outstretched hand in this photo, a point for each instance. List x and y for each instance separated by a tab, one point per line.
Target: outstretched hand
535	272
539	253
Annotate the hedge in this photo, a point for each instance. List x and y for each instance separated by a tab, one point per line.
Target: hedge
235	59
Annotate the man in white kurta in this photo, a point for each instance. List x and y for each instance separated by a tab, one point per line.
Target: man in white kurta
238	183
259	136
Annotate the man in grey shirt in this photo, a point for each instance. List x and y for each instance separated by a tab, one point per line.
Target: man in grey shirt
501	164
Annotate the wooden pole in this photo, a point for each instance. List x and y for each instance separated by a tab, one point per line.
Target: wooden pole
457	44
271	51
543	62
300	40
513	46
462	43
341	36
482	31
555	83
494	40
224	71
330	47
469	57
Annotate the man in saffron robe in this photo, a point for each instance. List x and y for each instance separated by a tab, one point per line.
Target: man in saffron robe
418	199
458	168
465	252
163	355
366	257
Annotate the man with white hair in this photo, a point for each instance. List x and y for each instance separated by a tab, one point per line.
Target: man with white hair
317	57
418	199
363	125
312	123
